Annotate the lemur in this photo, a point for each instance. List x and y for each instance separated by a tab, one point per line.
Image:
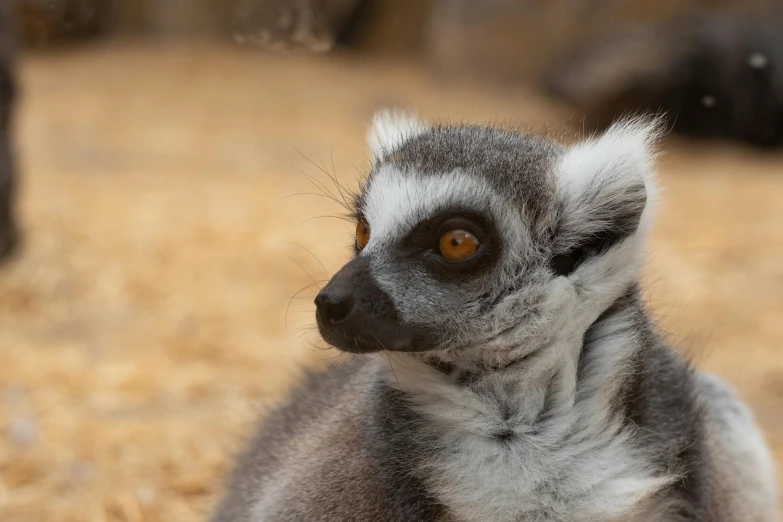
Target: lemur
506	367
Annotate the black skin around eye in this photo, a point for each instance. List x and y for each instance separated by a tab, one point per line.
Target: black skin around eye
422	245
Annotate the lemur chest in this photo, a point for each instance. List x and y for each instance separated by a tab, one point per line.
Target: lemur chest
514	475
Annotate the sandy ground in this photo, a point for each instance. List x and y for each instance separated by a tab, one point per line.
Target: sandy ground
143	329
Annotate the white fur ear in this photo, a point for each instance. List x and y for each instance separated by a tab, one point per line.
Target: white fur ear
612	175
626	151
390	129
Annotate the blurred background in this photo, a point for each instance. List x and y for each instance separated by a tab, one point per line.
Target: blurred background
164	229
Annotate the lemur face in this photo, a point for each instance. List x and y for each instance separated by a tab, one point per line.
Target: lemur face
481	243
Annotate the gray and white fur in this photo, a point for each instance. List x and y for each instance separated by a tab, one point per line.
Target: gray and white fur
526	383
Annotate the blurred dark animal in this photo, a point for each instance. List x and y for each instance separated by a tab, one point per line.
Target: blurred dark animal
8	230
716	76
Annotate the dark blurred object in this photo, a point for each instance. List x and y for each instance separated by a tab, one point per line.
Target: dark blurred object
312	24
514	40
495	39
716	76
388	27
8	229
43	22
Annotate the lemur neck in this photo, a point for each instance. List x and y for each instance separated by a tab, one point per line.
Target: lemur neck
538	388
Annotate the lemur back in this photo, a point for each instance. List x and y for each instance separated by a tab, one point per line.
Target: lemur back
506	367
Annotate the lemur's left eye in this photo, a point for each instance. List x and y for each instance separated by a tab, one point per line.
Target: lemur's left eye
362	234
458	245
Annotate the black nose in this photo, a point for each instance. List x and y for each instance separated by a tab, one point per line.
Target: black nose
333	307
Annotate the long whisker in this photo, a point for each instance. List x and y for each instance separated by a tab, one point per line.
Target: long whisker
314	346
314	256
285	321
305	328
391	367
333	176
311	194
305	271
336	362
342	190
316	166
324	190
344	218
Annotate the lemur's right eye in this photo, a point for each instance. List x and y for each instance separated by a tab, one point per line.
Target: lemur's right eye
362	234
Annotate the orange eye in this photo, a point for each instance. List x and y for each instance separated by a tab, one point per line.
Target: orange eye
362	234
457	245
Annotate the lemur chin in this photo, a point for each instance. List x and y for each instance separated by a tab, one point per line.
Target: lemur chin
509	369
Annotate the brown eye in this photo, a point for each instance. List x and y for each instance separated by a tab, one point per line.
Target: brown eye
362	234
457	245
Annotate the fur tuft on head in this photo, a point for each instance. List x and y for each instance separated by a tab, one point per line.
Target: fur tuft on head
390	128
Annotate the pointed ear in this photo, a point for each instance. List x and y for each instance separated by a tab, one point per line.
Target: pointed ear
390	129
607	187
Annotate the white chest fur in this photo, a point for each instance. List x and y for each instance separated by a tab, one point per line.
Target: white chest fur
503	452
526	478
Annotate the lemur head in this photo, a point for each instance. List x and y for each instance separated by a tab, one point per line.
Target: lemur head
484	245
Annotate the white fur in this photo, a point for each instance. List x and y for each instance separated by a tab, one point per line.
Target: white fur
625	151
397	201
621	157
600	476
390	129
617	161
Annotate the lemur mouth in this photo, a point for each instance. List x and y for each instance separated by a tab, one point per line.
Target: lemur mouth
355	315
347	339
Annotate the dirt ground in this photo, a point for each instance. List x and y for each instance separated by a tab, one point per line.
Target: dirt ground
143	329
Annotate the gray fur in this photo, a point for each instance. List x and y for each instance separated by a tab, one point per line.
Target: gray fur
543	391
339	449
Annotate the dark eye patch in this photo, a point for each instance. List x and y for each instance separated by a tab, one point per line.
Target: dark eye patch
426	234
422	243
